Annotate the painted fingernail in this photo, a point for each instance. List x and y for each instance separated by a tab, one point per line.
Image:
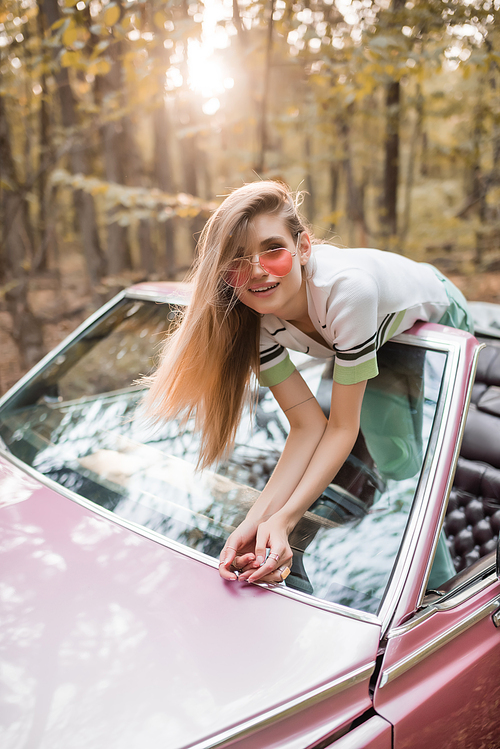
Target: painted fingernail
260	561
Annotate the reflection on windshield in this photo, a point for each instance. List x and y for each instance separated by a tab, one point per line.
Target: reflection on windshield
79	423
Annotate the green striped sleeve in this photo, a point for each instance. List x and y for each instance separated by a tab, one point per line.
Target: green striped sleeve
352	375
395	323
278	373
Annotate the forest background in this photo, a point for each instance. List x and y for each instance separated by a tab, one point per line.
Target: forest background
123	123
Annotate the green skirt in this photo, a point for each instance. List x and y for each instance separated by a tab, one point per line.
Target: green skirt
457	315
391	419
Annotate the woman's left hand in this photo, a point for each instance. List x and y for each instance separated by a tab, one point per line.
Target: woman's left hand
272	534
237	554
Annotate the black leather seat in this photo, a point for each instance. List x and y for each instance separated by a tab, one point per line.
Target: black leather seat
472	521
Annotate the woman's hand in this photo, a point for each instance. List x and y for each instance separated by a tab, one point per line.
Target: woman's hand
271	534
238	552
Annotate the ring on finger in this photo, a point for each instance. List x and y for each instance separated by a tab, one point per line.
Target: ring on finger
273	555
284	572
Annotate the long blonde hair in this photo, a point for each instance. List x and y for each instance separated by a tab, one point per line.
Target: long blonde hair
207	362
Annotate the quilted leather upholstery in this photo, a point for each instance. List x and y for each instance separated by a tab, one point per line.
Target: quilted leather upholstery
473	517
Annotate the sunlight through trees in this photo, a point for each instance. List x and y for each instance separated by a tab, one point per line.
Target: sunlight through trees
123	122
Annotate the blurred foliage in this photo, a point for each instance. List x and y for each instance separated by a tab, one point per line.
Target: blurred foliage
122	123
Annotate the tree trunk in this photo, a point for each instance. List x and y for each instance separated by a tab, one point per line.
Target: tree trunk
410	173
389	212
163	134
263	128
118	248
191	160
355	194
46	232
391	162
84	203
15	246
310	202
334	191
247	103
116	152
424	160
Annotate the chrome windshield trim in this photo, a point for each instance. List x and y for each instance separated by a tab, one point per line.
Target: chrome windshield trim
448	603
428	340
303	598
428	472
154	295
403	665
451	474
288	708
84	327
466	586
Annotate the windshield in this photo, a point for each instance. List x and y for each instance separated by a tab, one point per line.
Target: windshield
78	422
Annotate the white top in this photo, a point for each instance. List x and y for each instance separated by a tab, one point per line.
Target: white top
357	300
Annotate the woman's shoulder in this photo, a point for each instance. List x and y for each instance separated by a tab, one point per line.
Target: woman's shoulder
348	255
330	264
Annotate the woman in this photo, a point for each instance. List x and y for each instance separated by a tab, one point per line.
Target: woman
260	287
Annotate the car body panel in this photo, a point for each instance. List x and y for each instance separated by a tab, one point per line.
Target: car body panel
375	733
115	636
142	619
439	681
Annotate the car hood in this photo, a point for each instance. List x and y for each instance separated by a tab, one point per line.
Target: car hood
112	639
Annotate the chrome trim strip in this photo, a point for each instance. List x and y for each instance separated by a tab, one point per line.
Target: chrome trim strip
450	602
400	667
462	593
424	489
453	468
154	296
289	708
303	598
452	599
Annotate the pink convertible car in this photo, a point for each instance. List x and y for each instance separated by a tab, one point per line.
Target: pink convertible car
116	630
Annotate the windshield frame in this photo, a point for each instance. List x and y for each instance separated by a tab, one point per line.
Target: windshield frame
429	340
407	587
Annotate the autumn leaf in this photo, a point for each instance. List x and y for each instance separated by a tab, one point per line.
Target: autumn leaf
126	21
101	67
70	59
70	35
57	24
159	19
99	47
111	14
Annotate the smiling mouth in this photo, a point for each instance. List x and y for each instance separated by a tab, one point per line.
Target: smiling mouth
261	289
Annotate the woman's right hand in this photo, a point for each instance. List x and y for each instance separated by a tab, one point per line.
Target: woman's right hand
238	551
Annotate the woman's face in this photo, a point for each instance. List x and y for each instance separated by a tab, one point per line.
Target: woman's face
281	296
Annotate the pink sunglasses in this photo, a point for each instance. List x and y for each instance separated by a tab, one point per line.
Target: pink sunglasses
276	262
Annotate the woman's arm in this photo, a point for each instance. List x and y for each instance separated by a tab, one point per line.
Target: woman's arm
331	451
307	426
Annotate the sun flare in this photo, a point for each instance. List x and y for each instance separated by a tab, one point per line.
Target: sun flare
206	74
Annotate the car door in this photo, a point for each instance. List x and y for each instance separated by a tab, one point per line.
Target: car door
439	682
